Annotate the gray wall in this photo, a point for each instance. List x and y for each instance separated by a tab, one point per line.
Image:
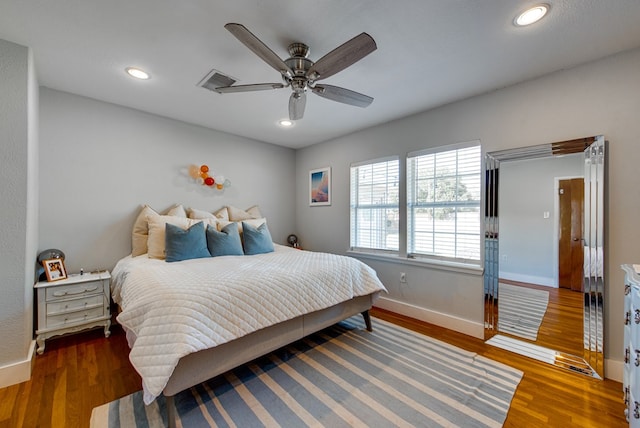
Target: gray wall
18	194
99	162
597	98
528	241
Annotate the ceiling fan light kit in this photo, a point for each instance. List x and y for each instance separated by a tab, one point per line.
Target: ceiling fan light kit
301	74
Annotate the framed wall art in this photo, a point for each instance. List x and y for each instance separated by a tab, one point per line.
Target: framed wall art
320	187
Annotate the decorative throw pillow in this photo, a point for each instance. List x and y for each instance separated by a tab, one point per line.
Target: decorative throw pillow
221	214
200	214
224	243
181	244
257	240
236	214
156	242
255	222
140	231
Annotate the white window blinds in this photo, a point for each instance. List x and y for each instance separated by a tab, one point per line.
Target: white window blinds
375	205
443	203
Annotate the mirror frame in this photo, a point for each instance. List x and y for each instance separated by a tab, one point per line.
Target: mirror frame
593	235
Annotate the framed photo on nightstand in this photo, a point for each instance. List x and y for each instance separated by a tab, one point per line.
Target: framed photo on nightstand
54	268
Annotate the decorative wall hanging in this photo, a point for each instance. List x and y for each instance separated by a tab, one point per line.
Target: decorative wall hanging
320	187
202	175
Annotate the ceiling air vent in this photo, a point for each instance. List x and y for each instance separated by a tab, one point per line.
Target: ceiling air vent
216	79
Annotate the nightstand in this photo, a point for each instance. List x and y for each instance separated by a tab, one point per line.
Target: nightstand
73	304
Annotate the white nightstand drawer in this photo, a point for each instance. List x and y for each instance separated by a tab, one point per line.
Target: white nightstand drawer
74	317
73	305
56	293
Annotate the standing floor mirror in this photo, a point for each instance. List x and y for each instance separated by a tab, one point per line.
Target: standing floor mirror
544	253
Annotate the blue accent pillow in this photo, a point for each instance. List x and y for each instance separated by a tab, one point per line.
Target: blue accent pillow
224	243
183	244
256	240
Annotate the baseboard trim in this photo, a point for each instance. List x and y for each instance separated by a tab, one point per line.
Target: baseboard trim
19	372
443	320
613	370
530	279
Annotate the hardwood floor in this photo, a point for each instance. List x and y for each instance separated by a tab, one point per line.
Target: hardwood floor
562	325
79	372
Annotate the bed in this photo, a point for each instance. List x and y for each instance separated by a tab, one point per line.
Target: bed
189	321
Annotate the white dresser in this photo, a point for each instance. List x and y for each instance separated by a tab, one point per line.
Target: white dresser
631	375
73	304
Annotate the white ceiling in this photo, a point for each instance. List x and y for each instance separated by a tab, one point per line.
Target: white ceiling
430	52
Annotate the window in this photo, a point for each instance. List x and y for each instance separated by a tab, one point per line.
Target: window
443	203
375	205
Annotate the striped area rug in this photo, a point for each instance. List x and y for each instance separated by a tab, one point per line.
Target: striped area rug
520	310
342	376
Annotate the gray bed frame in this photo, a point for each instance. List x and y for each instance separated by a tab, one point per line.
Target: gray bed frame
200	366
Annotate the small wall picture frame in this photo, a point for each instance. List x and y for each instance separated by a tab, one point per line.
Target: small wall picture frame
55	270
320	187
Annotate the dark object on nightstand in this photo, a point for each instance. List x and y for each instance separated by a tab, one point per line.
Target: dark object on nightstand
47	255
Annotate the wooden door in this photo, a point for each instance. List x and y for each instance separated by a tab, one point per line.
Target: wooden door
570	243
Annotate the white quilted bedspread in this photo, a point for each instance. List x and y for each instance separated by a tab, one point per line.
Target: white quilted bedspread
174	309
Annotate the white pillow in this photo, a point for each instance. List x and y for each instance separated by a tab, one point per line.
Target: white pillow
157	226
255	222
199	214
236	214
221	214
140	231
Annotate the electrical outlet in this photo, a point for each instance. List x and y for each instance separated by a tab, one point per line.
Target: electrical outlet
403	277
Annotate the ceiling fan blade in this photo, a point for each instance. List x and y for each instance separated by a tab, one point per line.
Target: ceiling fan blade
248	88
342	95
252	42
297	103
342	57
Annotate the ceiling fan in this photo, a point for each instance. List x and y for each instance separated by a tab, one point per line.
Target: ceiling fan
301	74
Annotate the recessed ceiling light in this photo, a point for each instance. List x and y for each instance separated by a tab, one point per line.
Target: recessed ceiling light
137	73
285	123
531	15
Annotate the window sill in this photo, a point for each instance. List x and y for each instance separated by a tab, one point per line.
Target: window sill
465	268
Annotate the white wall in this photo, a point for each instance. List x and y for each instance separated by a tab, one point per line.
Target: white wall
528	241
99	162
18	193
597	98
